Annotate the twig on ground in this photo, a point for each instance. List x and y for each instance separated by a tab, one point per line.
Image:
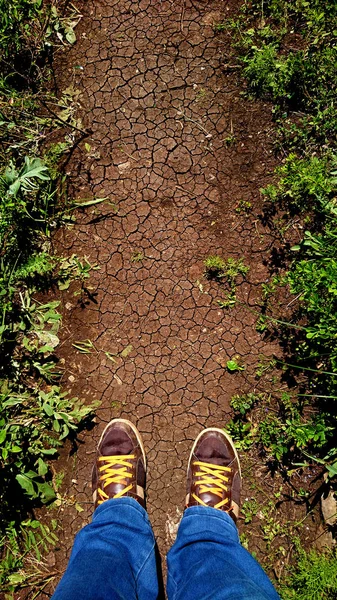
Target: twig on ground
209	135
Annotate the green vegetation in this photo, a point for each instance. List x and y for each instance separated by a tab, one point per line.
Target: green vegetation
137	256
243	207
278	425
228	272
235	364
36	416
288	54
23	547
218	268
314	577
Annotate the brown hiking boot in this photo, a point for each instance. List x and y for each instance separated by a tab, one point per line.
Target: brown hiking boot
120	467
214	474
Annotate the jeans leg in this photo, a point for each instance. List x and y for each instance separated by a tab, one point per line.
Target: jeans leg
113	558
207	561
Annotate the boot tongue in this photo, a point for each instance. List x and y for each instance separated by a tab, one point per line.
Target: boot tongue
116	443
213	451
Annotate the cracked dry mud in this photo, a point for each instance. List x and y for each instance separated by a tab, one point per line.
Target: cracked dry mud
174	147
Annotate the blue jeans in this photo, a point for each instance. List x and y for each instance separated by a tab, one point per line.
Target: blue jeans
114	558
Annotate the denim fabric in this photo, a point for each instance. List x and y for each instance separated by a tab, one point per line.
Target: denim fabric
114	558
207	561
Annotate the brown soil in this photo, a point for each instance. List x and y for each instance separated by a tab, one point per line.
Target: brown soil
174	147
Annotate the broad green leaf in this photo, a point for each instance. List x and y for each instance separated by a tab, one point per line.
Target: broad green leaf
46	491
27	484
17	578
232	365
15	449
42	467
48	409
49	451
33	168
12	402
64	285
70	35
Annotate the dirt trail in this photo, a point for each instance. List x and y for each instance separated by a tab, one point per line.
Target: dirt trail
175	148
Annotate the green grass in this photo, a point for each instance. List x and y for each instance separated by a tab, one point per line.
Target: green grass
313	578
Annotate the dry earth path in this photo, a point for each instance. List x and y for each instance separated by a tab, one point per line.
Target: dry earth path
175	148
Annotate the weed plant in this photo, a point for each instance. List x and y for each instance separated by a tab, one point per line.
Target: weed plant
288	54
36	415
278	426
228	272
314	577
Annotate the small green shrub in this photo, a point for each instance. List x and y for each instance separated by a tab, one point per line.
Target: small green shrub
215	266
243	403
235	364
306	184
249	509
33	426
314	577
226	271
271	75
281	430
243	207
219	27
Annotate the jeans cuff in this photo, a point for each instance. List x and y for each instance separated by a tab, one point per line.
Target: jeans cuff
102	510
211	519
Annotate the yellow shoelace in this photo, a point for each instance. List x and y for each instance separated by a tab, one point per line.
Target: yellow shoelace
212	480
114	470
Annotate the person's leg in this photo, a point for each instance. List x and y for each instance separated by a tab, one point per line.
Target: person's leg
113	558
207	561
